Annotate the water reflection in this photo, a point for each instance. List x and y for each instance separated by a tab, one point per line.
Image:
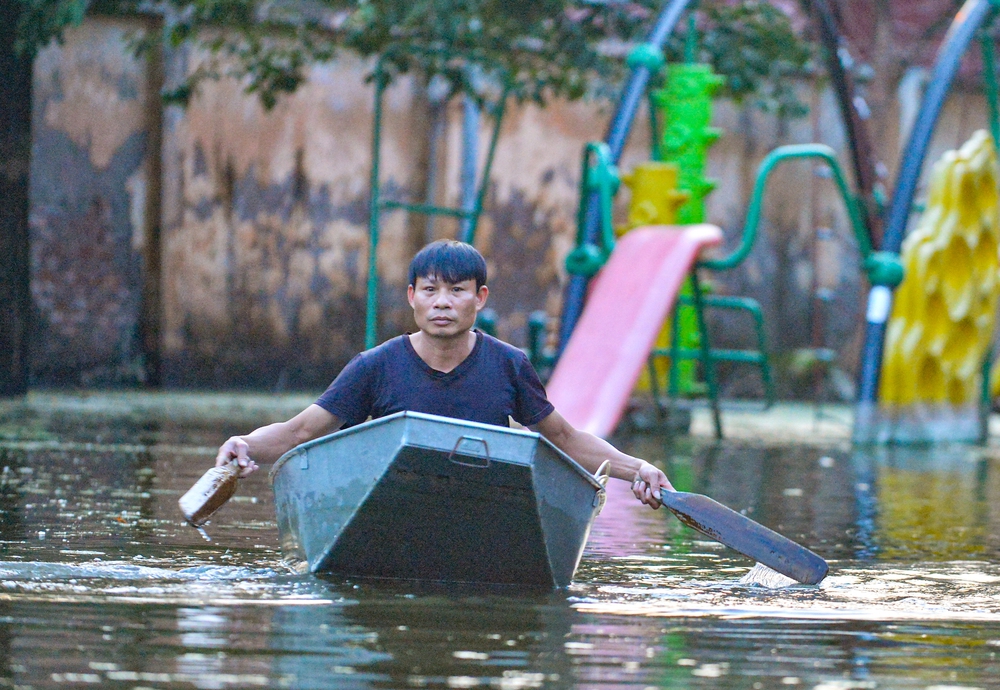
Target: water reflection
102	584
934	503
204	631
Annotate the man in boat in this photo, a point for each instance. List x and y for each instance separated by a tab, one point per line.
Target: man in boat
446	368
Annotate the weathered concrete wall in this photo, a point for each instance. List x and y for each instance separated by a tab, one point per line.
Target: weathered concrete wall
264	219
89	186
265	230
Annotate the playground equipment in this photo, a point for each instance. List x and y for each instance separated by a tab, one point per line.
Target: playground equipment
671	189
685	110
600	180
594	376
972	19
579	379
865	207
943	317
684	106
647	58
594	243
655	195
686	138
681	115
643	62
655	201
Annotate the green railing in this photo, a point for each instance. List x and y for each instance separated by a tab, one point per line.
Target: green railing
882	268
767	166
758	357
377	204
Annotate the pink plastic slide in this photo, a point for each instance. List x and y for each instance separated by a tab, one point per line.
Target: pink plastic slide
628	303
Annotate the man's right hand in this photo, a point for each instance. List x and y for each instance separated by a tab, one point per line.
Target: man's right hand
648	484
236	449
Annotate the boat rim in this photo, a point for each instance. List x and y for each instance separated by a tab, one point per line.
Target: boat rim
289	455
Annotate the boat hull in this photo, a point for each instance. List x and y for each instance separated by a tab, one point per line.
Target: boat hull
421	497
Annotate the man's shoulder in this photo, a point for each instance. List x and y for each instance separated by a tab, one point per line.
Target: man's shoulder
375	358
390	348
497	347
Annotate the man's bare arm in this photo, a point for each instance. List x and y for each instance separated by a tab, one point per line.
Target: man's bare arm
590	451
268	443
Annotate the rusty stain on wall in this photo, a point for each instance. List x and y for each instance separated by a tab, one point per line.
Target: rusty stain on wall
87	199
265	269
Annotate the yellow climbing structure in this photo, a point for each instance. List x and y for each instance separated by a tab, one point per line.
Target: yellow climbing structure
945	309
655	197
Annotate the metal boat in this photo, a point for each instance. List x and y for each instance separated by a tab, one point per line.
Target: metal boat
422	497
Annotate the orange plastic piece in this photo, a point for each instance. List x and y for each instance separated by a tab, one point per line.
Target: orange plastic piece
628	302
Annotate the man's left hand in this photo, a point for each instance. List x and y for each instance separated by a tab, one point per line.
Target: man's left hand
648	483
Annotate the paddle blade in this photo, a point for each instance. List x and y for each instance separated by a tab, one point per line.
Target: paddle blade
209	493
742	534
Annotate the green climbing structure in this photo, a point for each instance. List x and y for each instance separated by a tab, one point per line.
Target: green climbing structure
685	106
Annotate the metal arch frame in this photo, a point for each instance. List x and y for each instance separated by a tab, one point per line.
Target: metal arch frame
973	15
854	116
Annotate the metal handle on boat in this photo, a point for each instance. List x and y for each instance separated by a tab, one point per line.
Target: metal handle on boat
468	447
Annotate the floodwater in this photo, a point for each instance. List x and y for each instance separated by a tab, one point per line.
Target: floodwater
101	583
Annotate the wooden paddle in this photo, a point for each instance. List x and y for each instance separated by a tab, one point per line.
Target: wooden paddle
742	534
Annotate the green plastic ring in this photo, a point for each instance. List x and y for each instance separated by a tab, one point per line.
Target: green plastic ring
645	55
884	268
585	260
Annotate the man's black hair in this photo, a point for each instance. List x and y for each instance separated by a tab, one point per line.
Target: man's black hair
449	260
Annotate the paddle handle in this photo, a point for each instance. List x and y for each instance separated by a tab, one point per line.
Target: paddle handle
209	493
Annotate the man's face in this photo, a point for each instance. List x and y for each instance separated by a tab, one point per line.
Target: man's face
445	310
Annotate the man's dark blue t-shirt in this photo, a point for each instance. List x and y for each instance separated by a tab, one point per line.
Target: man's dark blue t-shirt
494	381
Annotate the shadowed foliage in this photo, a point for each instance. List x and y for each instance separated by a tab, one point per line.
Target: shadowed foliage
538	48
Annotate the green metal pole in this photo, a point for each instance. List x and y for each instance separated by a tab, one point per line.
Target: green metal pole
374	208
706	354
691	41
675	348
655	146
498	113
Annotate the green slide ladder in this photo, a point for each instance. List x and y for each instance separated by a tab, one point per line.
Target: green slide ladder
378	204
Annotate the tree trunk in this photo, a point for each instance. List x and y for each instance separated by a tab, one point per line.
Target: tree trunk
151	311
15	156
